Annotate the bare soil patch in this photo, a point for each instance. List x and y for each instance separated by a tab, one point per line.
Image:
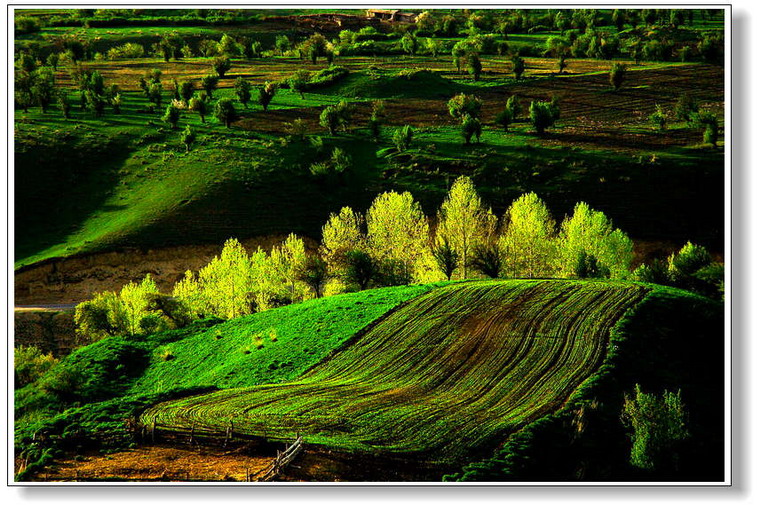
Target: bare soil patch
159	463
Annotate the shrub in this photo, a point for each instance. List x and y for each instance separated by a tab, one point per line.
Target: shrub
658	423
360	270
128	50
446	259
587	266
685	107
487	259
658	118
188	137
29	364
402	138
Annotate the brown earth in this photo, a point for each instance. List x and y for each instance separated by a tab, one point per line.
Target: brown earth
77	278
159	463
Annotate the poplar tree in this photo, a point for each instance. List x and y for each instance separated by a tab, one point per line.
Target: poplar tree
463	221
529	238
397	230
342	233
591	232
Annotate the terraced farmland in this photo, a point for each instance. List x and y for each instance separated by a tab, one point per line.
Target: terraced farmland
453	371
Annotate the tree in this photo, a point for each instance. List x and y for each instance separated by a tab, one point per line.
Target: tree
487	259
155	93
225	111
409	43
171	115
185	90
64	105
474	67
461	105
513	106
209	83
618	18
587	266
658	424
685	107
228	46
95	103
226	283
710	122
299	81
330	119
256	49
470	126
402	138
518	67
463	221
200	104
43	90
243	91
314	47
591	232
529	238
446	258
266	93
397	230
221	64
504	118
542	115
341	234
313	273
289	260
360	270
617	74
558	47
282	44
433	46
686	263
188	137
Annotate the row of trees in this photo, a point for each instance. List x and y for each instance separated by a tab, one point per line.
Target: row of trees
395	243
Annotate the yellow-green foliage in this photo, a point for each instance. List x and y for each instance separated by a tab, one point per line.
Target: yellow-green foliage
29	363
342	233
397	230
464	221
529	240
130	312
591	232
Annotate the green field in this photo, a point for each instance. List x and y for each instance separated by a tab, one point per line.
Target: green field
439	378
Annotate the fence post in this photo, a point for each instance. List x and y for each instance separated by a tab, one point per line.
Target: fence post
192	433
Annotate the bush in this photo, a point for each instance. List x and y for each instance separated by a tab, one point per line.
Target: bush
402	138
128	50
658	118
29	364
171	115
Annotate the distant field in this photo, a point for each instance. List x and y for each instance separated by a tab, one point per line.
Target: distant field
445	374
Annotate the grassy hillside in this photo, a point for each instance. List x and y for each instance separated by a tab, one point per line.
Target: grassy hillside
128	181
449	373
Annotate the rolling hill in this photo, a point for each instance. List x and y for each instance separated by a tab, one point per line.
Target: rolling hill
451	371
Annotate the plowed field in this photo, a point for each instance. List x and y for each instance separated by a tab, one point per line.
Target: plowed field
452	371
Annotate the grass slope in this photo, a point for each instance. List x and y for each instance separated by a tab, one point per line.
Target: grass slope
447	374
